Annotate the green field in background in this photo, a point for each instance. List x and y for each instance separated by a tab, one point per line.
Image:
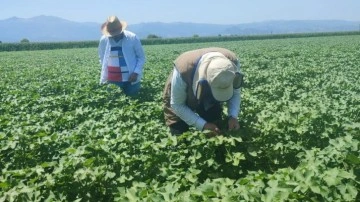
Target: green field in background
64	137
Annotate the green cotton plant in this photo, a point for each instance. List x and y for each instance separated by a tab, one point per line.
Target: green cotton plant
320	166
64	137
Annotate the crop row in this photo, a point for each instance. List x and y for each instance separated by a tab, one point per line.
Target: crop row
64	137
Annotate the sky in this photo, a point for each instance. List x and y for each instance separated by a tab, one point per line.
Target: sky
197	11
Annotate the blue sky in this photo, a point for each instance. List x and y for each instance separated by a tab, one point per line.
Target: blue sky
198	11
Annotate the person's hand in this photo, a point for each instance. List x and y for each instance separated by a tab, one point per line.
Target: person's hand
213	128
133	77
233	124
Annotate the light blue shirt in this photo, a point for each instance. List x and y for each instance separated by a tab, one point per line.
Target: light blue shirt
178	103
133	54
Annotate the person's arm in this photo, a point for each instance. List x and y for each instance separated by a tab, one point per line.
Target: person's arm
234	103
140	55
233	106
102	49
178	102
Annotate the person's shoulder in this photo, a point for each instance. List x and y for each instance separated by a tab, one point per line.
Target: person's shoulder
129	34
104	38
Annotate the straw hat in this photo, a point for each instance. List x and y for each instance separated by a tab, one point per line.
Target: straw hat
113	26
219	72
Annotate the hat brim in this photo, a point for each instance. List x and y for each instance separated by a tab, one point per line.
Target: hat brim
222	94
107	33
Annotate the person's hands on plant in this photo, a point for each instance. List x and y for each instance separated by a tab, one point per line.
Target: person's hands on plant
233	124
214	130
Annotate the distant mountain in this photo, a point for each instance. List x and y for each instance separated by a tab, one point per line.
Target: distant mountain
46	28
293	26
52	29
177	29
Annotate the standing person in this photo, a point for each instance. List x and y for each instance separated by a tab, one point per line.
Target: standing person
121	56
201	80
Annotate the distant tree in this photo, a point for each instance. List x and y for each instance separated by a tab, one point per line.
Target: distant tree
0	41
195	35
153	36
24	40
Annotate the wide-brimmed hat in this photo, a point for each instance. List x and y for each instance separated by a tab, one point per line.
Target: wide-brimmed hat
219	72
113	26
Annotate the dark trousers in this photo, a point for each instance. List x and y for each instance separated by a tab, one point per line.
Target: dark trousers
211	115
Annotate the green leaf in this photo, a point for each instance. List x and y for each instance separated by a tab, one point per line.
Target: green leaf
331	177
4	185
353	159
109	175
88	162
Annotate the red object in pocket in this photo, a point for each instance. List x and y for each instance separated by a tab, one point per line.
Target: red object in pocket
114	74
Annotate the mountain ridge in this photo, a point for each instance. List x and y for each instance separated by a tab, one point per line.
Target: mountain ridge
54	29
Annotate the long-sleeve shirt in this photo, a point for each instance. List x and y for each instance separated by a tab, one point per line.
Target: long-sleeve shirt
133	54
178	103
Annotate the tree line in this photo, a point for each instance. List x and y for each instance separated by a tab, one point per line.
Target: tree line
152	39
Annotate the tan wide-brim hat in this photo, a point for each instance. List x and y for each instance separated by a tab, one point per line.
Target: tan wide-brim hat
113	26
219	72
